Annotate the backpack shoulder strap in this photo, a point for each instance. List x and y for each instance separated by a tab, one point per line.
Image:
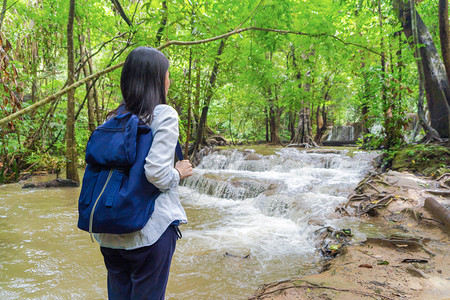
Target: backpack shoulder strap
178	151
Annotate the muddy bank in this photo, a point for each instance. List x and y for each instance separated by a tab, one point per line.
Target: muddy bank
406	259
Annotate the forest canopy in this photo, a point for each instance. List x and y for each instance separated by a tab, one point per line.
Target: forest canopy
275	71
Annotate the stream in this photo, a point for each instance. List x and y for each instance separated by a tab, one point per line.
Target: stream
251	221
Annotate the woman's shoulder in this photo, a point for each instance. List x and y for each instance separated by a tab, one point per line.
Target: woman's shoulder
164	113
164	110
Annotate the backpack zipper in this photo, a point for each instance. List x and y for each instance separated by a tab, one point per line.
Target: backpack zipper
91	218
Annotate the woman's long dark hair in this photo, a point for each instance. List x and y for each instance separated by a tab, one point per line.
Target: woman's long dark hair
143	81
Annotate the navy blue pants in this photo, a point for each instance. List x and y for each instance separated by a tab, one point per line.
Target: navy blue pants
140	273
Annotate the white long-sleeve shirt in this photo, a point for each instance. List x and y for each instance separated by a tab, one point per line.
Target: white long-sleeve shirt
159	170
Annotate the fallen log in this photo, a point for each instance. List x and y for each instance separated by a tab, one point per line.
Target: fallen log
59	182
439	193
438	211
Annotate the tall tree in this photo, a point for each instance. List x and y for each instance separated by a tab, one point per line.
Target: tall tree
209	94
275	112
303	131
444	35
162	23
71	152
437	88
430	131
2	13
89	85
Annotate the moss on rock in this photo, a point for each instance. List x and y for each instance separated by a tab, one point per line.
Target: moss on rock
429	160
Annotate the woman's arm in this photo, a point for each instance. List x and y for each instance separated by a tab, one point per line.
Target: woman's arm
159	168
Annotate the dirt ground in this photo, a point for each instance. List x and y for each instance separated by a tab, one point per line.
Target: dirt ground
407	259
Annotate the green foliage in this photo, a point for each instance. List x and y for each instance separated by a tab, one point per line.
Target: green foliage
333	62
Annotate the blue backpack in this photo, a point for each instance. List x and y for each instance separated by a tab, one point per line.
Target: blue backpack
116	196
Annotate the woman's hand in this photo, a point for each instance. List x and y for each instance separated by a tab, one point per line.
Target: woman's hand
184	167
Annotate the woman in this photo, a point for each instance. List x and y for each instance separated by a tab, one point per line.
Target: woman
138	263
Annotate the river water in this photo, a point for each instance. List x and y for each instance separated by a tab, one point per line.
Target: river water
251	220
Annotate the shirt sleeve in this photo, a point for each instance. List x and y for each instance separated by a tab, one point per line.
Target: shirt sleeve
159	162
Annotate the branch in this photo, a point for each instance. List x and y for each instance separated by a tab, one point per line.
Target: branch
135	10
7	8
81	63
51	98
121	12
315	35
251	14
309	286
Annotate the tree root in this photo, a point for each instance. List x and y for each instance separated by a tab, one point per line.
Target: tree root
374	197
444	181
360	186
380	180
442	176
311	286
372	186
368	203
401	241
356	197
439	193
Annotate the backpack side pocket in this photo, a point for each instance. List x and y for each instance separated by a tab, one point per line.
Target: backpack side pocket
114	185
87	188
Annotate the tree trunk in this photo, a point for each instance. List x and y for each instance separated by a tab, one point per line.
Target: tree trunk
399	62
89	87
299	131
274	118
209	94
98	115
266	122
303	130
71	153
437	87
365	107
444	35
162	23
189	91
274	122
383	59
2	14
196	105
321	115
291	125
303	133
34	64
121	12
321	121
430	131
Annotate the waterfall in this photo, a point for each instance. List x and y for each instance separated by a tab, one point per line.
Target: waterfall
344	134
298	185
